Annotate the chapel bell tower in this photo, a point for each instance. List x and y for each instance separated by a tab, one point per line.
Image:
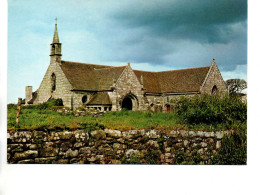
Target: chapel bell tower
55	46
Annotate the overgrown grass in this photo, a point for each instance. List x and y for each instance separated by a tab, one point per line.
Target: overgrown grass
199	113
124	120
127	120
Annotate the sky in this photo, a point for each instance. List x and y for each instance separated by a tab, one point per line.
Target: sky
152	35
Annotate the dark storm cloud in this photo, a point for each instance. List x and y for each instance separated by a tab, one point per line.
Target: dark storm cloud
199	20
170	32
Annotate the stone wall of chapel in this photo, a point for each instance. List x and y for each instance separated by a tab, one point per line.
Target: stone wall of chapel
155	99
63	87
127	82
214	78
163	100
77	98
168	98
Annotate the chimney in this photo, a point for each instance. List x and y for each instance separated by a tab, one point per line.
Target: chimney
28	94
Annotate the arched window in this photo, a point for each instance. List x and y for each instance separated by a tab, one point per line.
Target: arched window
84	99
214	90
53	82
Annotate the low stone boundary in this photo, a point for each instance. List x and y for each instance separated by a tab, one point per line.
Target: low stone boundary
112	146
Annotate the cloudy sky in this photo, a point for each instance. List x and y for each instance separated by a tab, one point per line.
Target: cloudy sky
152	35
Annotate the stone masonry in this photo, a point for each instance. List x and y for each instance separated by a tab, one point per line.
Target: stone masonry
111	146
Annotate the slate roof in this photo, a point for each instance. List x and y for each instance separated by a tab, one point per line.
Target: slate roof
94	77
173	81
100	99
91	77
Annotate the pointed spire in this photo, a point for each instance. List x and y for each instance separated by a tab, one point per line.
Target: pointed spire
55	46
213	62
55	36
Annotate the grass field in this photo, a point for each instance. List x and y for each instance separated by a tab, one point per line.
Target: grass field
198	113
124	120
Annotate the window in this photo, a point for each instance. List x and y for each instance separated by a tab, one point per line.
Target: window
84	99
53	82
214	90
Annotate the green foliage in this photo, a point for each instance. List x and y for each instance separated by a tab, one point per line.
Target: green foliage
46	105
183	158
235	86
81	108
212	110
197	113
11	106
233	150
160	142
132	160
127	120
91	126
152	157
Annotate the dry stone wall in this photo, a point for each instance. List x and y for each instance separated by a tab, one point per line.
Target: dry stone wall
112	146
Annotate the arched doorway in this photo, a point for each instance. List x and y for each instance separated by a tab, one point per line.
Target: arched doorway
127	103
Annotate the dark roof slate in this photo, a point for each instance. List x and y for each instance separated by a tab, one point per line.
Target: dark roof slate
173	81
100	99
91	77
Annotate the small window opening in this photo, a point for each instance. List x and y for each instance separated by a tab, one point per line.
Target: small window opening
214	90
84	99
53	82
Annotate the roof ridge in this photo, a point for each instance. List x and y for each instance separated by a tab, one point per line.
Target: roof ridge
183	69
109	67
87	63
144	71
172	70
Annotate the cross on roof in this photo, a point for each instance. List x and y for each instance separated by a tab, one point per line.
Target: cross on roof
56	20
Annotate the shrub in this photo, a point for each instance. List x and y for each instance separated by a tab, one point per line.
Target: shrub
132	160
46	105
209	109
11	106
152	157
233	150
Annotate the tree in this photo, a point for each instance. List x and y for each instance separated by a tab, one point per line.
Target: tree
235	86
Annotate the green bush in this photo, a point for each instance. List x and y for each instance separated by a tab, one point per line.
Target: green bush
152	157
132	160
46	105
11	106
209	109
233	150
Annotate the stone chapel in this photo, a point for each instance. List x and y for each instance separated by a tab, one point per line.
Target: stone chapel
112	88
